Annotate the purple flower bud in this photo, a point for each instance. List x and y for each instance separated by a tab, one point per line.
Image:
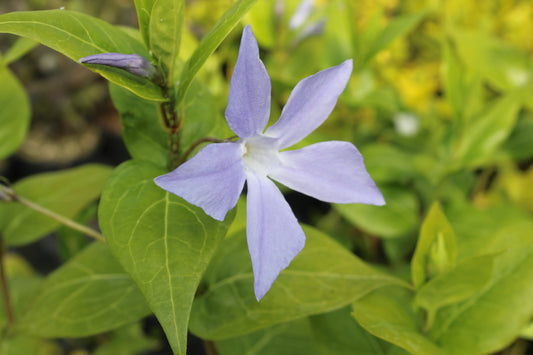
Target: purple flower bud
132	63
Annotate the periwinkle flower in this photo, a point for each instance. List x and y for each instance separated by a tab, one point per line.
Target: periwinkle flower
132	63
329	171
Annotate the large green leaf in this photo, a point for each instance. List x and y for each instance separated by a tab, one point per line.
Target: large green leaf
337	333
144	11
77	35
387	314
15	113
64	192
163	242
209	43
493	317
88	295
436	250
166	22
291	338
142	132
323	277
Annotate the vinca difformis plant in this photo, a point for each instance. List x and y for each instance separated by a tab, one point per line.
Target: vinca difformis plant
176	239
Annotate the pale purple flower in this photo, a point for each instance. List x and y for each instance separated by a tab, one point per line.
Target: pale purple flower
329	171
133	63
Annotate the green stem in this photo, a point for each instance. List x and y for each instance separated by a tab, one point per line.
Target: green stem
4	288
9	195
61	219
210	348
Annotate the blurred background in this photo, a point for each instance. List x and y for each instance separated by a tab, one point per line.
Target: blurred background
440	104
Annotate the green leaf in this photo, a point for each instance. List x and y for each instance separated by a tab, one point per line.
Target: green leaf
22	345
209	43
163	242
17	50
202	117
292	338
128	340
397	218
387	314
527	332
388	164
337	333
144	11
77	35
486	132
506	68
519	143
166	22
142	132
65	192
323	277
436	250
88	295
14	115
397	27
493	317
453	78
455	285
262	19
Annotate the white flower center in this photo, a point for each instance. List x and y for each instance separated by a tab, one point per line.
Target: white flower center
260	154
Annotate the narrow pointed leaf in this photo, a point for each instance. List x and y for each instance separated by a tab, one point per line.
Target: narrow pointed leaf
78	35
15	113
486	132
88	295
166	22
144	11
436	250
323	277
209	43
18	49
396	28
64	192
164	243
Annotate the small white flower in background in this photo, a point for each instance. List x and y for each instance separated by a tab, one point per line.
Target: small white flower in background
329	171
406	124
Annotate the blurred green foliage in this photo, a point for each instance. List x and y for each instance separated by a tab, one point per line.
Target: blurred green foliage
440	105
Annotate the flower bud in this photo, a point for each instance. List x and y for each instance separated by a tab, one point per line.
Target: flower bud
132	63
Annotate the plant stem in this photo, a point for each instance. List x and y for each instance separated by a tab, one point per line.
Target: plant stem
210	348
7	194
61	219
4	289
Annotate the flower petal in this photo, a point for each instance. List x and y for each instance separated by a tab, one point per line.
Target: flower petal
249	93
310	103
212	180
329	171
273	233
